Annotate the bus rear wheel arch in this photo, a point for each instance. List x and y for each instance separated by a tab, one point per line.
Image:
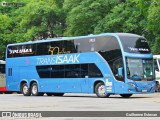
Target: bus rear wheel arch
100	90
25	90
34	90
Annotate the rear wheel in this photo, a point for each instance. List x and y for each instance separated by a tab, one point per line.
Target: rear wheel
34	90
125	95
101	91
25	90
58	94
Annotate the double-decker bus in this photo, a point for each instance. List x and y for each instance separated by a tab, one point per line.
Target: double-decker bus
104	64
2	77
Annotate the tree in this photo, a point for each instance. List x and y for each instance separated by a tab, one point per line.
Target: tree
153	25
33	20
42	19
124	17
82	18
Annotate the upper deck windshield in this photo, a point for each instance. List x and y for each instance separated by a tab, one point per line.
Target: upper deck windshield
135	45
140	69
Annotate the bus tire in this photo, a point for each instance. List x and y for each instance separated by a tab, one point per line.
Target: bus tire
34	90
25	90
58	94
126	95
157	87
101	91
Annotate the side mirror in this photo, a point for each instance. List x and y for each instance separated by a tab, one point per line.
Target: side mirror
120	71
157	69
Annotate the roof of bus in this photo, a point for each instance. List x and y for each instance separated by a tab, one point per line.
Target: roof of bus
77	37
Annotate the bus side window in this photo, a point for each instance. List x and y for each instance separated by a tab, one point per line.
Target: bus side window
118	69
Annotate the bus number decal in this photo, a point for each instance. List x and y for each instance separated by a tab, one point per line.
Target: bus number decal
108	85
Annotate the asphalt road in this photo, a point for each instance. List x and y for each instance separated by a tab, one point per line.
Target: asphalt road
80	102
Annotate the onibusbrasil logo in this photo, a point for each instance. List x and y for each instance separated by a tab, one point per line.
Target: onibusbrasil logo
16	4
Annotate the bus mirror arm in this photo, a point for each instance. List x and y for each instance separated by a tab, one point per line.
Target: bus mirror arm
120	71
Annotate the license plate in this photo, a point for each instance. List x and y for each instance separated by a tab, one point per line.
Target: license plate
144	90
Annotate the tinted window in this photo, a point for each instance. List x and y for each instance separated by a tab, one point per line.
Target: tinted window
117	65
57	71
94	71
72	71
68	47
9	52
16	51
21	50
90	44
84	70
55	47
42	49
135	45
29	49
111	52
83	45
2	68
69	71
44	71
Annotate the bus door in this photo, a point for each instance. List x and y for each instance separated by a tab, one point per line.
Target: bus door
13	77
72	75
118	71
76	78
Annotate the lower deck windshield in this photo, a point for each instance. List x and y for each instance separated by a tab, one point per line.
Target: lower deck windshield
140	69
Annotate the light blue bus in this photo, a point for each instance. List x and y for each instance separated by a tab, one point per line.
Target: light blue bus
104	64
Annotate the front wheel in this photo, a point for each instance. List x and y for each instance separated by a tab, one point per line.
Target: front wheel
34	90
125	95
25	90
101	91
157	87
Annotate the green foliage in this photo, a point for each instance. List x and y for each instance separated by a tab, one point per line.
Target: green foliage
40	19
122	18
82	19
153	25
32	20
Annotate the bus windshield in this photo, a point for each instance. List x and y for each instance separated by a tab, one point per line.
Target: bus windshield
135	45
140	69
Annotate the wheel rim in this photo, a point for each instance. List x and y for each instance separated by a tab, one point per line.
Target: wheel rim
25	89
34	89
102	90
